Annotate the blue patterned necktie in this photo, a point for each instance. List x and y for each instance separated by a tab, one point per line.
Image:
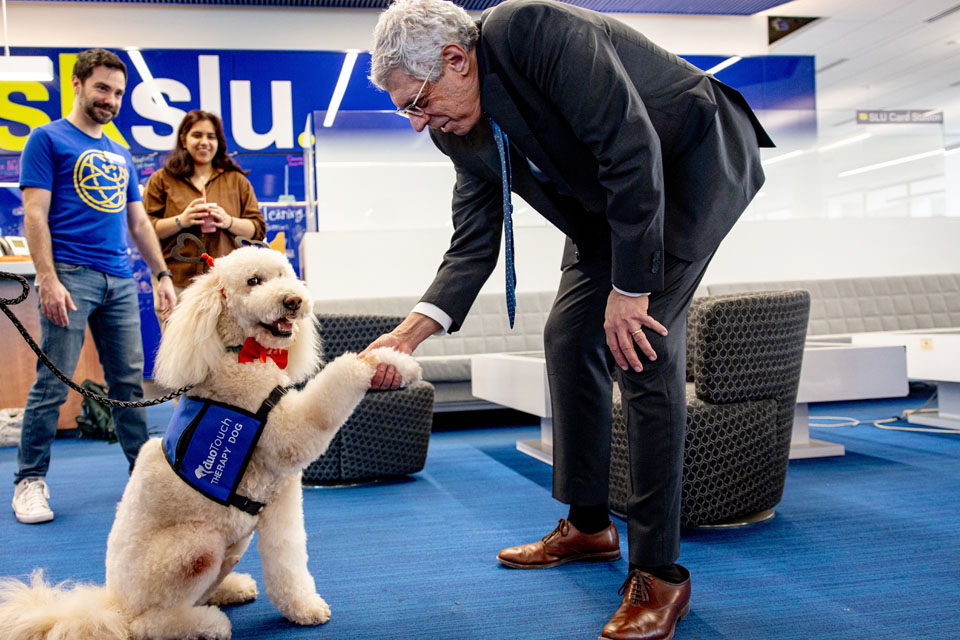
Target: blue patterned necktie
503	146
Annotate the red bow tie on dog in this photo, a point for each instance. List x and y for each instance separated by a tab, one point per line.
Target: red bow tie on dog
253	350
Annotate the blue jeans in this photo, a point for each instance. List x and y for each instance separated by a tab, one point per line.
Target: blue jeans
111	307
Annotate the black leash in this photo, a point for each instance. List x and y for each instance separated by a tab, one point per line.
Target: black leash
4	275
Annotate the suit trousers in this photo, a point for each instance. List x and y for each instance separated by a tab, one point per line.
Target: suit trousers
579	371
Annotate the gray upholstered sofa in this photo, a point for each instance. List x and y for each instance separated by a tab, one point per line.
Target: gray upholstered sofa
839	307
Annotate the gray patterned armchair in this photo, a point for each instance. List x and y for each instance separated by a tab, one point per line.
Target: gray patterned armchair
744	353
388	433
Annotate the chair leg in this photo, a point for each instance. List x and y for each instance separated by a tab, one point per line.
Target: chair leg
739	522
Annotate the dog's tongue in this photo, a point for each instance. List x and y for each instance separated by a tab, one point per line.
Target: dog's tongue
284	325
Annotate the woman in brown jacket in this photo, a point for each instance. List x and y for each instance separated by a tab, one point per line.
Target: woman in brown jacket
201	190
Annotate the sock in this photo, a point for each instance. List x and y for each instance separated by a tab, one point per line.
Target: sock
672	573
590	519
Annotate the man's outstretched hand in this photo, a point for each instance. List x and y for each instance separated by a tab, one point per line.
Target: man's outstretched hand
387	376
405	338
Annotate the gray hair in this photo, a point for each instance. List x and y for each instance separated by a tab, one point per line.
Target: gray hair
410	35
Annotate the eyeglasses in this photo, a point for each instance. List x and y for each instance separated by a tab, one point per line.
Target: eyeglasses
413	109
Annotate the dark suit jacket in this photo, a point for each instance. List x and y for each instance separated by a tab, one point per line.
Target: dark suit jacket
642	151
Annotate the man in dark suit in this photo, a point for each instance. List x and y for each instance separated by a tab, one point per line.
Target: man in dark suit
645	163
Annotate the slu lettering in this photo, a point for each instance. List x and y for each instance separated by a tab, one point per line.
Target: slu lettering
281	132
141	99
28	118
231	84
209	70
240	123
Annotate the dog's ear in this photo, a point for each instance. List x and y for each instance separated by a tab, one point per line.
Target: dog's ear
191	346
303	356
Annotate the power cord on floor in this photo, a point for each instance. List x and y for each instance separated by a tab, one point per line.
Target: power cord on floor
882	423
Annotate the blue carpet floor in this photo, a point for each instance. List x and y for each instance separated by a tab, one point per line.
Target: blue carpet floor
863	546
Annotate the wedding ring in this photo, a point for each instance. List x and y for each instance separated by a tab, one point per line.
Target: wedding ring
637	331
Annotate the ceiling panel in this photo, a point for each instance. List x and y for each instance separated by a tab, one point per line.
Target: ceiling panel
895	58
689	7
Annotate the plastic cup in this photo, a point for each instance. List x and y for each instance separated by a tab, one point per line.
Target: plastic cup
207	225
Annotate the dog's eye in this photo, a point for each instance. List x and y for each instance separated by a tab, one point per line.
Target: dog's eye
254	281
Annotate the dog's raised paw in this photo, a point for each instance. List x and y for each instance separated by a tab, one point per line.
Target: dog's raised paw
404	364
309	611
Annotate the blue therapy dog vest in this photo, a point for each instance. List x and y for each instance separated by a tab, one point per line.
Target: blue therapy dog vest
209	445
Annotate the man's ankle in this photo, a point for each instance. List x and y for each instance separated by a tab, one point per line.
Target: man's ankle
672	573
589	519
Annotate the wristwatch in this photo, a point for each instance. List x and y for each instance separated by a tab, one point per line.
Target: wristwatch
166	273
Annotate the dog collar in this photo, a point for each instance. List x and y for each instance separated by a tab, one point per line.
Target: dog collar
252	350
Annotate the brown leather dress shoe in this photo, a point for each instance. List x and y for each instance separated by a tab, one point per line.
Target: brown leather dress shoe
650	609
564	544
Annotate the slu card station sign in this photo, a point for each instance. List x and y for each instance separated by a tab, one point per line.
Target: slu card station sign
903	116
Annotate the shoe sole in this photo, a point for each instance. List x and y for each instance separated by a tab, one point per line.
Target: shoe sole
683	614
33	519
606	556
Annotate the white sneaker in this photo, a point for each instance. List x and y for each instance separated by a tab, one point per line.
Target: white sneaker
30	501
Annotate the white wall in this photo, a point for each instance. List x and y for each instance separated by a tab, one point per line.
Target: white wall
810	249
361	264
370	264
355	264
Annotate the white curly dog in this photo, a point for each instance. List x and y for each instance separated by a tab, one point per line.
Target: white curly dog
171	552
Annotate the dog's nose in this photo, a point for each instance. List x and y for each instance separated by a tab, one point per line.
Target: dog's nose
293	303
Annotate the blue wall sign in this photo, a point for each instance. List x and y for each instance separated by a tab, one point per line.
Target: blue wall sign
263	96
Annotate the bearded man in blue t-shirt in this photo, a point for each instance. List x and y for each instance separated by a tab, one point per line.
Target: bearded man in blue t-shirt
80	200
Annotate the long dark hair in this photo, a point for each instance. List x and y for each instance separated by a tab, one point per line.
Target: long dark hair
180	164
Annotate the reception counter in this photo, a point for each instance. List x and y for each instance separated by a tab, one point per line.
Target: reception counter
19	370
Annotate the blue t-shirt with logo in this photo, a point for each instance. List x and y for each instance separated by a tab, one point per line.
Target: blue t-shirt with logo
90	183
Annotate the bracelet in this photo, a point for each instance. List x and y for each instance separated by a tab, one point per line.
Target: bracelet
177	220
166	273
230	226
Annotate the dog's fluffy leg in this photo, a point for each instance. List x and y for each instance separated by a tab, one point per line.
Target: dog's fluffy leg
229	562
236	588
162	574
304	423
282	542
332	395
208	623
232	588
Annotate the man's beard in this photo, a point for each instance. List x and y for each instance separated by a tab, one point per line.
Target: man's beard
90	108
